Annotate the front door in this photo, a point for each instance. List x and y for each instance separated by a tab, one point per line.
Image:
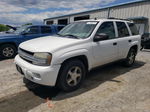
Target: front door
106	51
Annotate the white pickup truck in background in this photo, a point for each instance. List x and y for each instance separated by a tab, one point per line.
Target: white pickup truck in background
63	60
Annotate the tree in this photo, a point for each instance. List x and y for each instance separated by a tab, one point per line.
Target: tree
27	24
3	28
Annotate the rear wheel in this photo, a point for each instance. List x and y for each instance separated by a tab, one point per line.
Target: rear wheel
129	61
71	75
8	51
142	47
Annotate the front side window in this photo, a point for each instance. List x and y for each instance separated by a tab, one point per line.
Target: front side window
21	29
133	29
45	29
32	30
122	29
78	29
107	28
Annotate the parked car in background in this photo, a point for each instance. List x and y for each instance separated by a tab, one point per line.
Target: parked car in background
9	42
145	41
64	59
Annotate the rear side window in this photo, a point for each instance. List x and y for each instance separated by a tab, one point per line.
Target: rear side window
133	29
107	28
60	27
45	29
122	29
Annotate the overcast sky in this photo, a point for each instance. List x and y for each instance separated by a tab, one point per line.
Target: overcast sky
16	12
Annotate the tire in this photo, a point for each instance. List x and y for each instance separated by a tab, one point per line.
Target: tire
129	61
8	51
71	75
142	47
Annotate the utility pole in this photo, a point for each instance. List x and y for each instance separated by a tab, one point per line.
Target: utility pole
108	14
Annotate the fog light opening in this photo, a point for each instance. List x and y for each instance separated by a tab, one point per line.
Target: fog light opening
37	75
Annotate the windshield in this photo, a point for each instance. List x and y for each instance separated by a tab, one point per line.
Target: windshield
21	29
78	29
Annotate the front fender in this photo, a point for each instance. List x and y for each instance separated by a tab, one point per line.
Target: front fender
59	59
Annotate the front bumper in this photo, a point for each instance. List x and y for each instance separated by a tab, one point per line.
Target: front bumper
38	74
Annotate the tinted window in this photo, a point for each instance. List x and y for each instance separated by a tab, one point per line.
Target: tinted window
133	29
45	29
107	28
122	29
60	27
33	30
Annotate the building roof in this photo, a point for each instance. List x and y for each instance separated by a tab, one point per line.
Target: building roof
127	3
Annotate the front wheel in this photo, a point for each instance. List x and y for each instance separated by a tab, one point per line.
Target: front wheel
71	75
129	61
8	51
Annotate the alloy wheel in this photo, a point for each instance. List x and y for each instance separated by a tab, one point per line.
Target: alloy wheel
74	76
8	52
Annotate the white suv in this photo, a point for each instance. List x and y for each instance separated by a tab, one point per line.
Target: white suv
63	60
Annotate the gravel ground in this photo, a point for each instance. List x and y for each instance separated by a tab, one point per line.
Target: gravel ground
110	88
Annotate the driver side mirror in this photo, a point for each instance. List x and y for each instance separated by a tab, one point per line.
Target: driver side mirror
101	36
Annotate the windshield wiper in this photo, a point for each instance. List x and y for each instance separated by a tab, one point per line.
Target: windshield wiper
72	36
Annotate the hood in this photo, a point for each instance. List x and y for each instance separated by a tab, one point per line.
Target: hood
6	36
48	44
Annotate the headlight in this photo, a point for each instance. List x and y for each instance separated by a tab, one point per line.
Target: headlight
42	59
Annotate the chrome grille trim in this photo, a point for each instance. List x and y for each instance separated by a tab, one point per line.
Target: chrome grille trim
26	56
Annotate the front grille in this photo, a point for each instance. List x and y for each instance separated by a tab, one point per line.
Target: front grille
26	55
28	52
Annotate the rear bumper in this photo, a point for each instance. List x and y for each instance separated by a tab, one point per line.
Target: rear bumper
38	74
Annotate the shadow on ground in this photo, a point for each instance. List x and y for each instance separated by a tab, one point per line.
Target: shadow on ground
37	94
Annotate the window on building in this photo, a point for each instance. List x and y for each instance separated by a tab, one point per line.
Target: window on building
81	17
45	29
63	21
107	28
133	29
122	29
49	22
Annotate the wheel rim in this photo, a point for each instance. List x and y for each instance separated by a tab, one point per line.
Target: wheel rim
131	58
8	52
74	76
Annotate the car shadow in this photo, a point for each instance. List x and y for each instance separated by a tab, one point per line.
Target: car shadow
94	79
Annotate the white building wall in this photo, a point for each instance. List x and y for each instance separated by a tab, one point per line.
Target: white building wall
132	10
99	14
123	11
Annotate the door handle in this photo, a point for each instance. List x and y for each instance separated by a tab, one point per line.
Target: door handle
115	43
129	40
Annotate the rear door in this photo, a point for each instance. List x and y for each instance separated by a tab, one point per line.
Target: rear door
106	51
124	39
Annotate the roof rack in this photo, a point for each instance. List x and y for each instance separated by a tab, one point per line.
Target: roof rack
119	18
